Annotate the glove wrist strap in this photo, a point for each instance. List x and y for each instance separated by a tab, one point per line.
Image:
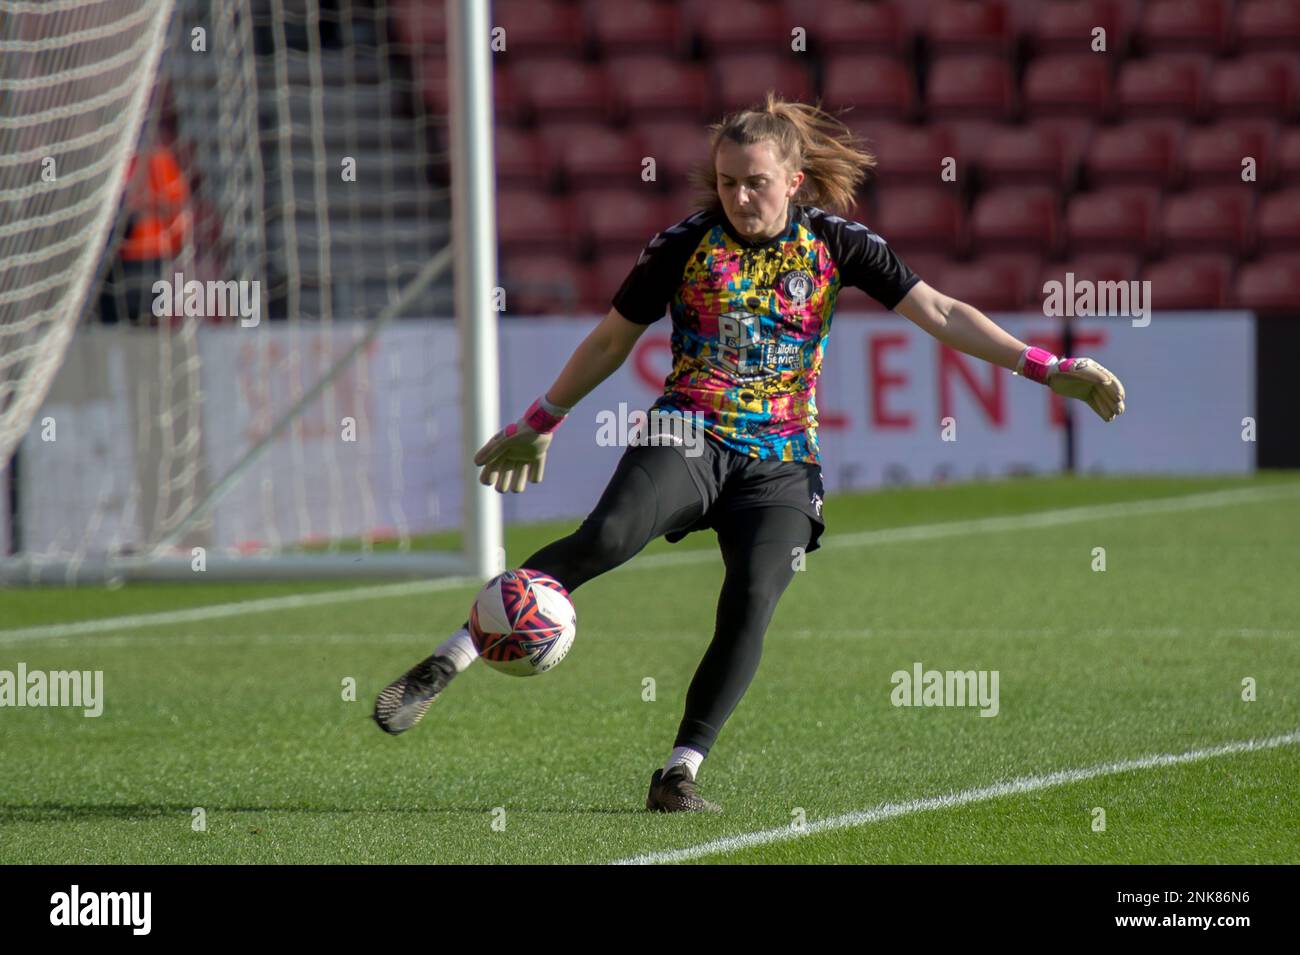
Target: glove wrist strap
1036	364
544	417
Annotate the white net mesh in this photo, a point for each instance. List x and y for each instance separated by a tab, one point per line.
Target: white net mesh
286	191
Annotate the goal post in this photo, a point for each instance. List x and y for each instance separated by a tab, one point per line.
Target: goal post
301	396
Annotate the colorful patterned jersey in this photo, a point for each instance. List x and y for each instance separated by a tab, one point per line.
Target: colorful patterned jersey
751	320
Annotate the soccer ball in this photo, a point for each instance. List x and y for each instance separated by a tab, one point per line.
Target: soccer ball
522	622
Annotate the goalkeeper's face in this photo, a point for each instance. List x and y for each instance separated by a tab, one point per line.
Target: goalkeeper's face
755	188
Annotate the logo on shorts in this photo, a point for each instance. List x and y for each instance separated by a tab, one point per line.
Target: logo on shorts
796	285
817	503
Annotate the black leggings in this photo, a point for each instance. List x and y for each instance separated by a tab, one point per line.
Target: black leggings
650	494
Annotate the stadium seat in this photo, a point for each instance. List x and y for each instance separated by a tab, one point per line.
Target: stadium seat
1098	267
605	275
1269	284
1115	219
971	87
594	153
1069	85
725	25
1015	219
638	27
675	145
846	26
1190	281
549	27
530	220
1214	154
1215	219
522	159
1277	222
741	80
964	26
1146	152
646	87
557	89
921	218
1288	154
614	218
1026	155
1204	26
1259	85
1066	27
1168	86
906	154
875	86
1002	284
541	284
1264	25
435	89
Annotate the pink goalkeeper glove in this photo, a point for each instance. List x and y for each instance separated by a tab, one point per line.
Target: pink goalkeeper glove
1080	378
517	452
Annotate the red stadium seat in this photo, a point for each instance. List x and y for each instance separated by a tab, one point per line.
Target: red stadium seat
563	89
963	26
1015	219
1204	26
638	27
542	284
646	87
1002	284
1277	222
1288	154
875	86
594	153
921	218
846	26
675	146
1190	282
1270	284
1069	85
725	25
547	27
1117	219
740	80
1171	86
1214	154
435	88
612	218
907	154
522	159
605	275
1258	85
1146	152
1066	27
421	24
971	87
1209	220
1268	25
1026	155
1099	267
528	220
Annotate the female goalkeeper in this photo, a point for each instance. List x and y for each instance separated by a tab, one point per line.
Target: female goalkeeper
751	283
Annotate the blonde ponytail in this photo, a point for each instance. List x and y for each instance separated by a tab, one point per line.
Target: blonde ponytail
803	137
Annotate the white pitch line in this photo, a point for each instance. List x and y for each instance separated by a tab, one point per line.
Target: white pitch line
1018	786
890	535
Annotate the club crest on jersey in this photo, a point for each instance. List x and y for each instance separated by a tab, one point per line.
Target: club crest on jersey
796	285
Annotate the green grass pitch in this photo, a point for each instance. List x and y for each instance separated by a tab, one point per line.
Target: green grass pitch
244	716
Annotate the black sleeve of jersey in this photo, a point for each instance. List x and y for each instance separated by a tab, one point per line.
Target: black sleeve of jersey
866	261
649	287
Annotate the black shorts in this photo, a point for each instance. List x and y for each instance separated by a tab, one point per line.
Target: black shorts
730	483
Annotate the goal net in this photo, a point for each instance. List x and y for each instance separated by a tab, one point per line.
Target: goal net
227	333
